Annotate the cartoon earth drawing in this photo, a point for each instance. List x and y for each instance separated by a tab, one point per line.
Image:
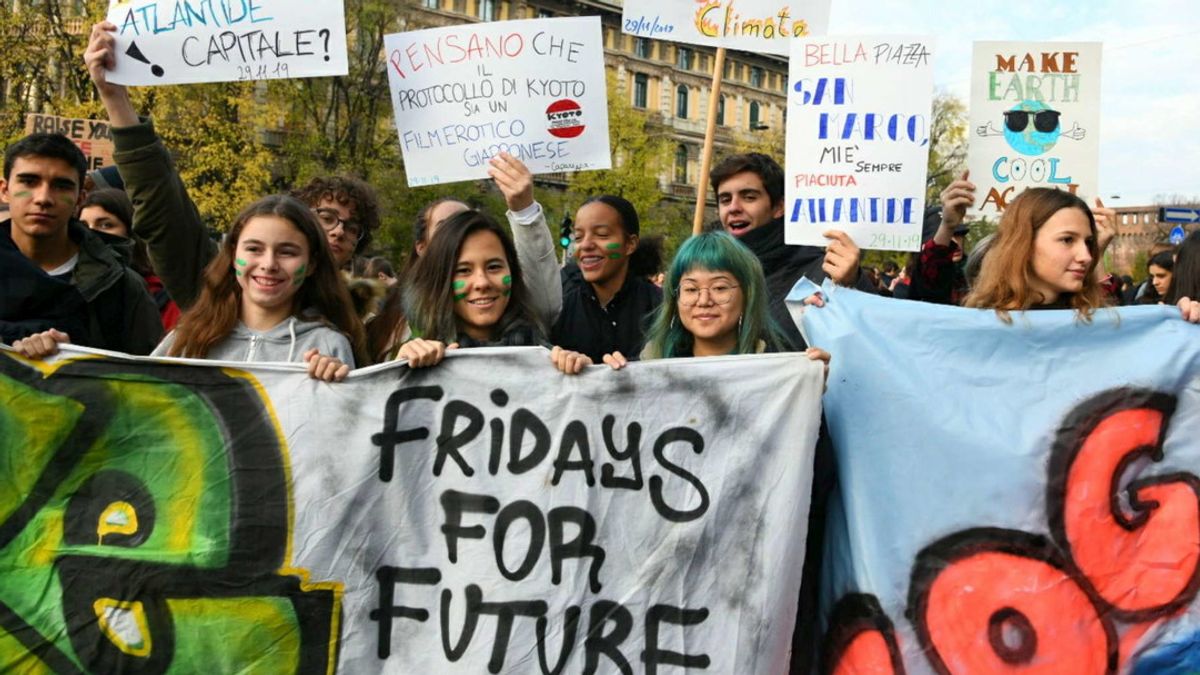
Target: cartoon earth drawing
1032	128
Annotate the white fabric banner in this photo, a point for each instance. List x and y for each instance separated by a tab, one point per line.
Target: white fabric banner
191	41
485	515
763	26
858	140
1035	120
534	89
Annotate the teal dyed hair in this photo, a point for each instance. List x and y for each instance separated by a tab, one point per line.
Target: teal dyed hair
715	252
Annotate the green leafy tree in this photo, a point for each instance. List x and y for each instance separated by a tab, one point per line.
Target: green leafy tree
947	144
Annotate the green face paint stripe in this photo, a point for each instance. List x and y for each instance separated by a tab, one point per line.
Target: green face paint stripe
23	194
459	285
301	275
239	262
507	280
460	296
613	246
614	256
238	272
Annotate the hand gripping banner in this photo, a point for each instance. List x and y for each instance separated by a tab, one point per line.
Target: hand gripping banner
485	515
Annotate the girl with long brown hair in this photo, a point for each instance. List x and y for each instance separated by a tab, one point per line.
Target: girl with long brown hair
1043	257
272	293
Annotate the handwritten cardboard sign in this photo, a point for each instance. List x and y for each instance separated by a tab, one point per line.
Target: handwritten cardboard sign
189	41
765	26
1035	120
858	140
94	137
534	89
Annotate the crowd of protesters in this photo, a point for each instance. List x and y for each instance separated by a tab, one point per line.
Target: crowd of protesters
124	263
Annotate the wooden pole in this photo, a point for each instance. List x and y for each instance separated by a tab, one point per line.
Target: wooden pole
714	101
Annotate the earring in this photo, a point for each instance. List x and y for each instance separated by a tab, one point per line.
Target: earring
740	322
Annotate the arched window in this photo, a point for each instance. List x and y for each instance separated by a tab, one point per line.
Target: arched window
721	110
754	113
681	101
681	164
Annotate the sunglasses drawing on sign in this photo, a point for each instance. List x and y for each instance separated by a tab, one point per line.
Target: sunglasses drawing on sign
1032	128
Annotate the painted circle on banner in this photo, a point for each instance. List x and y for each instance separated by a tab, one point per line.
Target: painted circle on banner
565	119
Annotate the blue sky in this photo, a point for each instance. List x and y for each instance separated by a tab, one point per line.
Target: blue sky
1150	105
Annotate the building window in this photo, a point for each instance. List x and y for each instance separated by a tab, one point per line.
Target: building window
641	48
486	10
754	112
432	4
681	164
545	14
756	76
681	101
683	58
641	90
460	6
721	110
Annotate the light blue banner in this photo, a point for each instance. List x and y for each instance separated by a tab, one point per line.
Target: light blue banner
1012	497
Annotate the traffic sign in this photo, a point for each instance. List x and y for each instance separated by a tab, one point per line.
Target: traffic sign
1177	235
1175	214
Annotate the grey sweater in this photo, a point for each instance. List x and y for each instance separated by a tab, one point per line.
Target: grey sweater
286	342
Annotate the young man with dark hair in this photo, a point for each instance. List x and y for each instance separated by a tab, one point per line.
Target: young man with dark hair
165	217
55	273
749	189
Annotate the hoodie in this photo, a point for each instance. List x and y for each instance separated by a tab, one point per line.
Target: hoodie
286	343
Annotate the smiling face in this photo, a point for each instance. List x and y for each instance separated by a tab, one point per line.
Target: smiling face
1161	279
99	219
1062	257
602	248
41	193
710	304
482	284
271	262
743	203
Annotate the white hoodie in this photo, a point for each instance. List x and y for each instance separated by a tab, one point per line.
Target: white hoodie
286	342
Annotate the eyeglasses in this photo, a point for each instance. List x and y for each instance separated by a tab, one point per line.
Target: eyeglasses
721	294
329	220
1044	121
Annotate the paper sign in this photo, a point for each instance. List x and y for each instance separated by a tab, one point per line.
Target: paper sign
189	41
485	515
858	140
534	89
93	137
764	26
1035	120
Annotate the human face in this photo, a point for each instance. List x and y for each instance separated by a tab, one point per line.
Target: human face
482	284
99	219
41	193
743	203
1061	257
710	305
341	242
271	262
1161	279
436	216
602	248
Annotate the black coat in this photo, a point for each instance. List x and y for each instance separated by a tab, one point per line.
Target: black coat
783	266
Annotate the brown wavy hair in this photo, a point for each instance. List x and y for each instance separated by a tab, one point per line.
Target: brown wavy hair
215	313
1005	279
355	194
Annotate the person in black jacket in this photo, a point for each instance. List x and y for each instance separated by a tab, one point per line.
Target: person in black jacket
605	306
749	189
55	273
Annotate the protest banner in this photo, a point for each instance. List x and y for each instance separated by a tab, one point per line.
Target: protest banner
1013	498
763	26
94	137
858	125
534	89
485	515
1034	120
190	41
